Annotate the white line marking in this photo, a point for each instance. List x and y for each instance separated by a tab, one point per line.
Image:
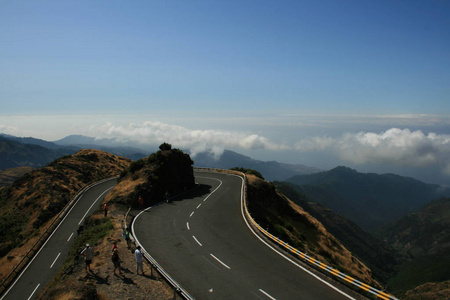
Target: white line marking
187	225
34	291
197	241
191	214
82	219
70	237
214	189
42	247
281	254
220	261
265	293
199	205
55	260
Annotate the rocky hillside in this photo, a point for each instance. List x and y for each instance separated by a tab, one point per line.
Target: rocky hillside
33	200
288	221
164	173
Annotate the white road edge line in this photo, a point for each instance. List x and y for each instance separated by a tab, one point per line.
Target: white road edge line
197	241
42	247
199	206
34	291
191	214
214	189
220	261
82	219
268	295
55	260
281	254
187	225
70	237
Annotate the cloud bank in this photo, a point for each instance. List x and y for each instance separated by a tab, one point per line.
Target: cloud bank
395	146
196	141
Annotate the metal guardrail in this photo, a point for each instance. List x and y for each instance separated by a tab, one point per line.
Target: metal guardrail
312	261
44	236
177	288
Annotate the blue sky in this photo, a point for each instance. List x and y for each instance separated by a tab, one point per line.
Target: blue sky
284	71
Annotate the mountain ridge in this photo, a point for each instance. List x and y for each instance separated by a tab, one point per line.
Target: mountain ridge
368	199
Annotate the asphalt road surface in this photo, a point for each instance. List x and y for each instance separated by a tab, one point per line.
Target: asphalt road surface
52	255
202	240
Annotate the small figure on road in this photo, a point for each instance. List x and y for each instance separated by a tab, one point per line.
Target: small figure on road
139	260
116	261
88	254
105	209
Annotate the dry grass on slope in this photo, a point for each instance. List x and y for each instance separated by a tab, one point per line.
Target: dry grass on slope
292	224
73	283
29	205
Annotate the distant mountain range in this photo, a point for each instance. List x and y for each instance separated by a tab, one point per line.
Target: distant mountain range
370	200
18	151
270	170
15	152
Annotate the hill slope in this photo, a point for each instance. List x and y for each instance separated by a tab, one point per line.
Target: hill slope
381	258
370	200
14	153
292	224
424	237
34	199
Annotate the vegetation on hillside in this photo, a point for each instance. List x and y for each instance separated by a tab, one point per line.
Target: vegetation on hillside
381	258
33	200
162	174
248	171
288	221
424	239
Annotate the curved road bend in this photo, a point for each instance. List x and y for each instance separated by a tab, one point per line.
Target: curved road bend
203	242
52	255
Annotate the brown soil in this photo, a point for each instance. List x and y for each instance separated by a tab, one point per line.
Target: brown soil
102	283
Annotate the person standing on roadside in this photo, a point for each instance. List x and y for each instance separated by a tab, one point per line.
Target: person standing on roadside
141	202
105	209
88	254
116	261
139	260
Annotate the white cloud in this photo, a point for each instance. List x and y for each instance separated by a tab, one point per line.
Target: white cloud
394	146
215	141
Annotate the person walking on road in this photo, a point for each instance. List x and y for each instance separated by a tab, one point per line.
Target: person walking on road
139	260
88	254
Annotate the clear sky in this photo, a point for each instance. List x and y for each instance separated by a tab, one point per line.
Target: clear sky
273	76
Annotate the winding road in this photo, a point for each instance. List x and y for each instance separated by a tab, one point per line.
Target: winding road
51	256
203	241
